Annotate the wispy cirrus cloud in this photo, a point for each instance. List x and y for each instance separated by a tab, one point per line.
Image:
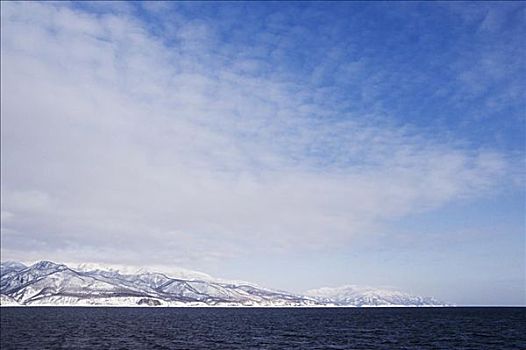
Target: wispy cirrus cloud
118	142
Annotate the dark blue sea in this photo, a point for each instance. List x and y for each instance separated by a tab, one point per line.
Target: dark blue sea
252	328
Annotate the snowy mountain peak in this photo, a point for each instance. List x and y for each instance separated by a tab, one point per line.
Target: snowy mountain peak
135	270
7	266
48	265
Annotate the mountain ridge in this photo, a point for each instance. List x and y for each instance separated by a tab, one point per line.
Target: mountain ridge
51	284
369	296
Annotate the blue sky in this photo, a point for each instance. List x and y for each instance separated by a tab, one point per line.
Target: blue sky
296	145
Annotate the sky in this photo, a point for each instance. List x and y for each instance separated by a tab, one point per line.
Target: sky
294	145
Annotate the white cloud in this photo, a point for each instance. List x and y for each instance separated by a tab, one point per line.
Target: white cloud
116	146
5	216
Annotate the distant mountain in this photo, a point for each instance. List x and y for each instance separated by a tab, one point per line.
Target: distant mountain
48	283
368	296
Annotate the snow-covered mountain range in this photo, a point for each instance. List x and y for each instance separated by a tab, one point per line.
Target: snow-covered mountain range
368	296
48	283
